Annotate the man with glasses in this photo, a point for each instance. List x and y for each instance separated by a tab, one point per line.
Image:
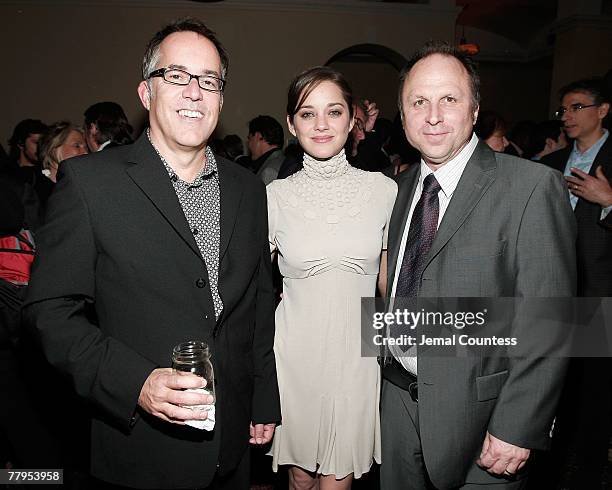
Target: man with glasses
150	245
587	165
583	110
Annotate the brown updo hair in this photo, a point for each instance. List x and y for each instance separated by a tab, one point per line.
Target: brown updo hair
303	85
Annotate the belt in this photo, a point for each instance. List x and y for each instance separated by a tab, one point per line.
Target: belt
396	374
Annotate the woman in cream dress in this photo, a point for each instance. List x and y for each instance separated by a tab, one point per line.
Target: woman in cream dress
328	225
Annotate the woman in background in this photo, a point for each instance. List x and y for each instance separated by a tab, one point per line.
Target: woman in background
328	224
62	140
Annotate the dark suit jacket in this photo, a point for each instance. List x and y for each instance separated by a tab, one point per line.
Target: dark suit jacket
115	237
594	244
507	232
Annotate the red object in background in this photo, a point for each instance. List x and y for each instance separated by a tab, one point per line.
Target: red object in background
16	257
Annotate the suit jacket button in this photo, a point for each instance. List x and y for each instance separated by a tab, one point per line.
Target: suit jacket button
200	283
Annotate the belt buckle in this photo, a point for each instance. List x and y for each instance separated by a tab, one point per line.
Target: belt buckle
413	391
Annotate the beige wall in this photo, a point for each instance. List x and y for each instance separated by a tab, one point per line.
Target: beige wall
377	82
66	55
518	91
582	50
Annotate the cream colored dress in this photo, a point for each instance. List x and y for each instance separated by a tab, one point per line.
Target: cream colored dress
328	223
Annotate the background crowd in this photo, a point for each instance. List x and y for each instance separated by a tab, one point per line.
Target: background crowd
28	175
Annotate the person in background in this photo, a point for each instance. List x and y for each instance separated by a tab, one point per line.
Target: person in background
61	141
491	128
265	143
548	137
364	146
106	125
584	420
358	133
217	146
28	442
234	150
328	224
519	138
294	157
21	169
401	153
24	142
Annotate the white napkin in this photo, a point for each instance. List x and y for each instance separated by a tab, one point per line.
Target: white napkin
208	423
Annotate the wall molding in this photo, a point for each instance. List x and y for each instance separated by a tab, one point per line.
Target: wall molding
603	22
318	6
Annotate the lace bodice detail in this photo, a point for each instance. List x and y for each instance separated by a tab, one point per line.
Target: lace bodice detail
330	224
329	189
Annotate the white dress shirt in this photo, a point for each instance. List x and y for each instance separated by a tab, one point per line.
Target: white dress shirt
103	145
448	176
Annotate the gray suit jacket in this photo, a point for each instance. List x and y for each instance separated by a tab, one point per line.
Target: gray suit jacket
269	170
508	231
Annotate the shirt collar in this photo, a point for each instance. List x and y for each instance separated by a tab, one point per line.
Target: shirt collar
592	152
103	145
264	156
448	175
210	168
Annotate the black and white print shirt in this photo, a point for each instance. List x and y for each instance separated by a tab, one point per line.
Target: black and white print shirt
201	203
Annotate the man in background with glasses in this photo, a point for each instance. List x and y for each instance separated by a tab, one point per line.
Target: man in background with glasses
583	110
584	421
150	245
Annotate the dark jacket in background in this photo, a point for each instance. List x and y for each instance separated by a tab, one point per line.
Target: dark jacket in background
594	243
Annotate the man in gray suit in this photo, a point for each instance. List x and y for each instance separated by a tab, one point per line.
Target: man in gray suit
468	222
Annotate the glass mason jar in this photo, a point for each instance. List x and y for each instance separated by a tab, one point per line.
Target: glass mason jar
194	357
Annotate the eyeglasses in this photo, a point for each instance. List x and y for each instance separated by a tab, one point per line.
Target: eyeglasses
572	108
360	124
181	77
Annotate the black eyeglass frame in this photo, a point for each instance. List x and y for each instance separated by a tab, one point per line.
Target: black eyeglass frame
574	108
161	72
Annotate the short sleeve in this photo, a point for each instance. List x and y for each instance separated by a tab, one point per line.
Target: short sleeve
272	215
390	193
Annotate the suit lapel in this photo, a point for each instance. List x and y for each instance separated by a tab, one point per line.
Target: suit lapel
407	184
231	195
558	159
604	156
149	174
231	191
478	175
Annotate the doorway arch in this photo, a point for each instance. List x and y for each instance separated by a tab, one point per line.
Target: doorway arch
372	70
